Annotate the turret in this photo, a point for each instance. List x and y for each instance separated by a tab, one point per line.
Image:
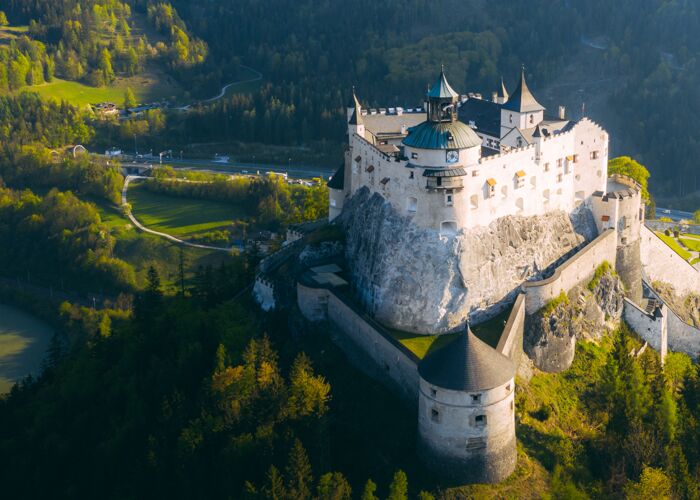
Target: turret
466	419
442	101
521	110
502	94
356	124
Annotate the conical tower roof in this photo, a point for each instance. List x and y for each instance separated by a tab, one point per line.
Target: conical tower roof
442	89
467	364
502	92
356	118
522	100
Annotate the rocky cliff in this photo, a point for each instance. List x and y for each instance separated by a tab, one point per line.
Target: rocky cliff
551	333
416	280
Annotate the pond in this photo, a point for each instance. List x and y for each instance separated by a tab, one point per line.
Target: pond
24	340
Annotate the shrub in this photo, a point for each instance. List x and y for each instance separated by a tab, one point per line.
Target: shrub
550	306
602	269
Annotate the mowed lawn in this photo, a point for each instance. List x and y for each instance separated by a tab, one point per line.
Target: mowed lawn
181	217
671	242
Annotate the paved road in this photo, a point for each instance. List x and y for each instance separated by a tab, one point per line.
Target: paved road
143	228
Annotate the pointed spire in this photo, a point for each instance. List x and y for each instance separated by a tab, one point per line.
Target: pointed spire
356	118
502	92
442	89
522	100
537	133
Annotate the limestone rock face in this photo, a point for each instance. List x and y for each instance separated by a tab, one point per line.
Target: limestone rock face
550	336
417	280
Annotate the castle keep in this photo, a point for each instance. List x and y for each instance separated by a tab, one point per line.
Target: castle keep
464	210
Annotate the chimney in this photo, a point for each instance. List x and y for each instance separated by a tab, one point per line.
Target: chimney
562	112
494	96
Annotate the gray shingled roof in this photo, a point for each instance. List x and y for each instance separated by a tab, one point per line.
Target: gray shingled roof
486	115
442	135
442	89
338	179
466	364
522	100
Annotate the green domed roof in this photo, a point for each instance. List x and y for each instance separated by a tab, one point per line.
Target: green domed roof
442	135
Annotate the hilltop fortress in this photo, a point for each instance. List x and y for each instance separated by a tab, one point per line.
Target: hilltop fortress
462	212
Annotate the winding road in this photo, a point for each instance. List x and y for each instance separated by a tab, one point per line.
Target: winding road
224	89
170	237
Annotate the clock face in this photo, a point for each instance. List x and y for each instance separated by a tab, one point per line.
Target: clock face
452	155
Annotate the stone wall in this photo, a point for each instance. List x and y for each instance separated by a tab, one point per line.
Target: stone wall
511	343
661	263
652	328
682	337
264	293
575	271
366	343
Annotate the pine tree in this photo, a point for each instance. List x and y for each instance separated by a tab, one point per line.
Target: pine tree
333	486
398	489
129	98
298	473
274	488
369	493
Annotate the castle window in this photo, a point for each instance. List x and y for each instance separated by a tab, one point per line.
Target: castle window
476	398
519	141
508	388
414	156
475	173
448	200
435	415
504	192
560	162
600	173
546	167
533	182
433	392
480	420
545	195
532	119
332	202
519	204
448	228
575	158
510	118
410	175
412	204
438	181
594	155
560	177
474	201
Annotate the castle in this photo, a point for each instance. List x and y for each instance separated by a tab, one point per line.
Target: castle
454	212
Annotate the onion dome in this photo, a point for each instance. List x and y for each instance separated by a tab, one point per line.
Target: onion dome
442	135
467	364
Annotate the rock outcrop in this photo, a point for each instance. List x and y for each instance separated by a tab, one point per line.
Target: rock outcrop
417	280
551	333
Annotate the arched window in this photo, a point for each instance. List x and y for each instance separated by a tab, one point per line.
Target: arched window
519	203
474	201
412	204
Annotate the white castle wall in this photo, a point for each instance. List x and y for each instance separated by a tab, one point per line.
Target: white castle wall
511	343
661	263
652	329
682	337
575	271
364	338
559	174
264	293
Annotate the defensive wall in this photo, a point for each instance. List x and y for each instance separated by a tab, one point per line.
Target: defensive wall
682	337
661	263
511	342
651	326
577	270
362	339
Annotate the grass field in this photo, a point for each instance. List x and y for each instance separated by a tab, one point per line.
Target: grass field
420	345
675	246
181	217
690	242
148	87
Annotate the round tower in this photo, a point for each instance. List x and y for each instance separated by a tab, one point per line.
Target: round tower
466	416
438	150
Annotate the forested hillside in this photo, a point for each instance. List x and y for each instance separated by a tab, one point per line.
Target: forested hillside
312	52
